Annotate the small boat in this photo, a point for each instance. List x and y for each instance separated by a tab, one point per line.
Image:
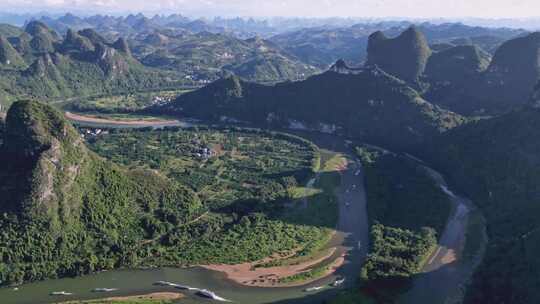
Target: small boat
104	289
211	295
16	289
311	289
164	283
359	245
185	287
61	293
338	282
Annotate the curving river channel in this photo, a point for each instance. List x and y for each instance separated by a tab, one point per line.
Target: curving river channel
352	238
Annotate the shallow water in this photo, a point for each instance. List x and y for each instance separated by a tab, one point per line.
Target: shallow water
133	282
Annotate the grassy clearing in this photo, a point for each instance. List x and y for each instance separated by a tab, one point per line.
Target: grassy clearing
297	193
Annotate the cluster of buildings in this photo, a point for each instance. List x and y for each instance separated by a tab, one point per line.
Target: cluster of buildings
205	153
161	100
92	132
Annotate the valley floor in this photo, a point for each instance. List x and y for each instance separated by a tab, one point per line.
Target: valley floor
351	239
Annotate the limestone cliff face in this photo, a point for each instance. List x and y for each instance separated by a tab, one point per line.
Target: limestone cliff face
45	154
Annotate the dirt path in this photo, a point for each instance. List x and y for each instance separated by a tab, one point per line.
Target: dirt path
97	120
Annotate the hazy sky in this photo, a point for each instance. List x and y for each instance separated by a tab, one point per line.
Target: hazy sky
306	8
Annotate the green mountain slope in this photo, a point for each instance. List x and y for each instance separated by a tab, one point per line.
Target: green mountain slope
454	75
9	58
369	104
66	211
496	163
513	73
507	83
41	64
8	30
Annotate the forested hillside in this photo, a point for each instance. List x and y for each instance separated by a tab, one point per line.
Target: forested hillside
496	163
68	212
369	105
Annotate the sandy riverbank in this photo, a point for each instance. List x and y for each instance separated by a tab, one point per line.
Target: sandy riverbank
246	273
92	119
156	296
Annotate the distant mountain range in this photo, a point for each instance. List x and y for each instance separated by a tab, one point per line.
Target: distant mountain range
322	46
38	62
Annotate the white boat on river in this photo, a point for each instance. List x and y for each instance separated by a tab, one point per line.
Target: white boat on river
104	289
61	293
211	295
311	289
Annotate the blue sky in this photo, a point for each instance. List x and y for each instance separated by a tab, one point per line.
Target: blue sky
305	8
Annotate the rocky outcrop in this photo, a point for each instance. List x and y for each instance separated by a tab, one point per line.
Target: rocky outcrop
404	57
